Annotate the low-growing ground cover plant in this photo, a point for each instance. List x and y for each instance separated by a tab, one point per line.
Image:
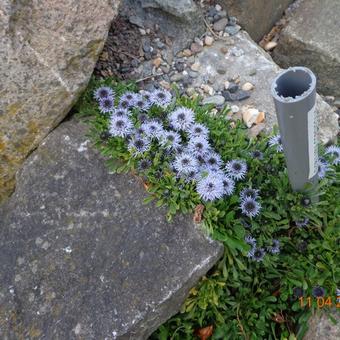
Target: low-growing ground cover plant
279	248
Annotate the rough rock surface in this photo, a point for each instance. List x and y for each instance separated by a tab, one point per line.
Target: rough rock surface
312	39
48	50
181	20
248	62
257	16
82	257
321	327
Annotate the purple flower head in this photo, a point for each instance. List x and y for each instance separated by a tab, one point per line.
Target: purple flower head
161	98
198	146
198	130
259	254
228	186
302	223
249	192
210	187
182	118
250	240
119	112
323	168
275	248
185	163
129	98
143	118
334	151
251	252
138	145
213	160
103	92
120	126
147	96
153	129
257	154
201	160
277	142
318	291
106	105
141	103
298	292
236	169
190	176
250	207
144	164
170	140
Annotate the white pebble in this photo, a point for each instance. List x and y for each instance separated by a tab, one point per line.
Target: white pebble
247	86
208	40
234	108
270	45
218	8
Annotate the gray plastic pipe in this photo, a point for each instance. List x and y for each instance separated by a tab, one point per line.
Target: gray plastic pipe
294	96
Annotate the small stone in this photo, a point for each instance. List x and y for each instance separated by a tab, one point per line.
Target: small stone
216	100
224	50
187	53
179	66
193	74
157	62
260	118
337	103
220	24
176	77
218	7
165	69
221	70
165	84
254	131
232	21
195	67
208	40
226	84
222	14
235	52
208	89
195	48
249	116
329	99
247	86
147	47
252	72
142	31
234	108
240	95
232	87
190	91
232	30
270	45
198	41
160	45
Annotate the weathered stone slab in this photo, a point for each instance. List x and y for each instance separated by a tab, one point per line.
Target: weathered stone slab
48	50
257	17
312	39
252	64
82	257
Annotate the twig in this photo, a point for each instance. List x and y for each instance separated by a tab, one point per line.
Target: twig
213	33
240	325
148	77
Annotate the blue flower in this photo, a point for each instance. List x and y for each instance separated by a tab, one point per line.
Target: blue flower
275	248
334	151
104	92
141	103
250	207
228	186
236	169
161	98
258	254
182	118
138	145
318	291
250	240
185	163
323	168
277	142
119	112
106	105
249	192
129	98
213	160
120	126
144	164
210	187
251	252
198	130
257	154
190	176
147	96
302	223
153	129
170	140
198	146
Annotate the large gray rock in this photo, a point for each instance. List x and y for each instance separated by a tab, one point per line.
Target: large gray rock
48	50
257	17
82	257
312	39
181	20
322	328
252	64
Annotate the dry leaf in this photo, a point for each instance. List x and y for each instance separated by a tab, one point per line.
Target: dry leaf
198	213
278	318
205	333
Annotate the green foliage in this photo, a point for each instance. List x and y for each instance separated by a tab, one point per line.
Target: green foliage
241	298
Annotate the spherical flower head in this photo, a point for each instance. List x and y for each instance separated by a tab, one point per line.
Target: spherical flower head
250	207
298	292
249	192
228	186
236	169
251	252
144	164
138	145
190	177
257	154
275	248
182	118
198	146
106	105
318	291
210	187
277	142
120	126
302	223
128	97
213	160
198	130
161	98
103	92
120	112
334	151
170	140
250	240
141	103
185	163
153	129
323	168
147	96
259	254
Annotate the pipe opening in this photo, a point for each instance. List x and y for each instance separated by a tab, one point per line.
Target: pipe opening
293	83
